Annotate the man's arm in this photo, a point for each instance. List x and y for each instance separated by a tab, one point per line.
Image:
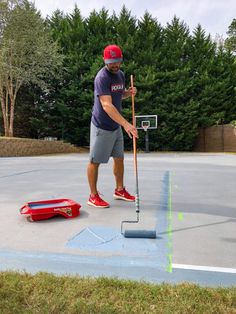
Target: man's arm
114	114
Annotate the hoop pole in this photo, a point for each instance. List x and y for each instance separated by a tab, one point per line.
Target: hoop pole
146	141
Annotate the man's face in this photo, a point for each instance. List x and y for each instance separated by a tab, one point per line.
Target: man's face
114	67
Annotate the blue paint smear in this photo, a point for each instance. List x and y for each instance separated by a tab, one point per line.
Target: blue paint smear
104	239
37	206
100	239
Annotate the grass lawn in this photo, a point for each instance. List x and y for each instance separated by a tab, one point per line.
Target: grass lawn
47	293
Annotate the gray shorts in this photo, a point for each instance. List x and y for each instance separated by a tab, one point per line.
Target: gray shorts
105	144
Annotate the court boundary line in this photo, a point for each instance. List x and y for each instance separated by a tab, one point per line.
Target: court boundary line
205	268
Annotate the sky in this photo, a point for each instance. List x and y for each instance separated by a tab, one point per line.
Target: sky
215	16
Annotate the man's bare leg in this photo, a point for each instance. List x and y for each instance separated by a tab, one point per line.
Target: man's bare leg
92	172
118	171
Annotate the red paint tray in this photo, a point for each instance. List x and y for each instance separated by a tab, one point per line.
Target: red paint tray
46	209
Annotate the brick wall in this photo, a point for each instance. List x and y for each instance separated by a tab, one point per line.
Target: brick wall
219	138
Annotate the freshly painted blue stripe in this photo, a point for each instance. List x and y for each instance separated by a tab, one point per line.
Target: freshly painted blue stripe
115	266
163	244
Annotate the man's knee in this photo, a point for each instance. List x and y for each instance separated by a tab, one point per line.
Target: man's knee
93	164
118	159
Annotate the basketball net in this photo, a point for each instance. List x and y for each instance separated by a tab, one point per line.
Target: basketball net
145	125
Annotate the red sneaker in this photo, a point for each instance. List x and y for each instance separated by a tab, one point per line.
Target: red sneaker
123	195
96	201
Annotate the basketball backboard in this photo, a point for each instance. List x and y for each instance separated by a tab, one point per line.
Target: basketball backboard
145	122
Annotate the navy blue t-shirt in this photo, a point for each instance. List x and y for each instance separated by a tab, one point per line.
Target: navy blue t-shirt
107	83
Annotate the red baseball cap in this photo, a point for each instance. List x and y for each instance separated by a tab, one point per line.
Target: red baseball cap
112	54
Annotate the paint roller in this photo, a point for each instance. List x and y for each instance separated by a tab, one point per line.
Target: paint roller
151	234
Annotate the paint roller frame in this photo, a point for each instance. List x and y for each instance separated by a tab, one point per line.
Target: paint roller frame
151	234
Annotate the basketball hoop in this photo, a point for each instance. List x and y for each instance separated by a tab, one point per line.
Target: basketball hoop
145	125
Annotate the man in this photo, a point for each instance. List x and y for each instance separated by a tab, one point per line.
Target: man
106	137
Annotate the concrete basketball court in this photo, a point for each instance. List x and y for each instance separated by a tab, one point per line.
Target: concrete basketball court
188	198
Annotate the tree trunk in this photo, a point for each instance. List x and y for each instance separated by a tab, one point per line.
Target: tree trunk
12	111
8	100
4	106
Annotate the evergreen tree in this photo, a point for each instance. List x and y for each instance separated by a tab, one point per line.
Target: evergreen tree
223	91
185	79
230	42
69	96
201	57
176	109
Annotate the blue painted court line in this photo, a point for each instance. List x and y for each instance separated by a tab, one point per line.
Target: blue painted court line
163	226
119	267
